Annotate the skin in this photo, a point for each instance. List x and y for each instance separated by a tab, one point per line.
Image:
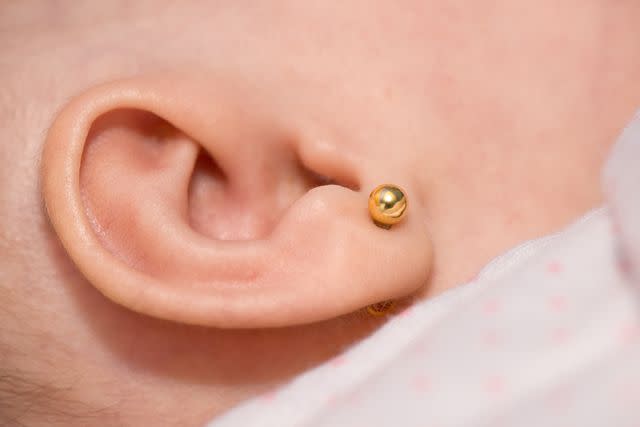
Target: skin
498	113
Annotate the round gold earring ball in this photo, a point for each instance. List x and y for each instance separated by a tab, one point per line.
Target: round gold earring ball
387	205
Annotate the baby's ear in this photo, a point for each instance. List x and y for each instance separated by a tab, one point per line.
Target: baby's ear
186	199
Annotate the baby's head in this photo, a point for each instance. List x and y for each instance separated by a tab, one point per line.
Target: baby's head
183	187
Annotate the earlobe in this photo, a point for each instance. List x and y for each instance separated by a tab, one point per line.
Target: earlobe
176	202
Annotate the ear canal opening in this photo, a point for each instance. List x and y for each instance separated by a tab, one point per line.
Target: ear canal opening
208	197
221	210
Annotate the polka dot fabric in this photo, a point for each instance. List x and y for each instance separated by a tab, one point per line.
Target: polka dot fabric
622	186
546	335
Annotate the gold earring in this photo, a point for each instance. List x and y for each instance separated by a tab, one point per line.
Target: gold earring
387	205
381	308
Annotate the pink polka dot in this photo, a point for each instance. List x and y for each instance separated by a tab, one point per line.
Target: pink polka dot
269	396
421	383
554	267
333	400
338	361
559	335
422	348
406	312
352	399
630	333
491	307
495	384
491	338
557	303
624	264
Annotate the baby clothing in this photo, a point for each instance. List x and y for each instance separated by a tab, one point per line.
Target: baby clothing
546	335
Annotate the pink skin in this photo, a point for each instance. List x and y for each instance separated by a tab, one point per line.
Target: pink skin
497	115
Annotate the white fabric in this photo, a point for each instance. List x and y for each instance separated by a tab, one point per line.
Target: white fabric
547	335
622	185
